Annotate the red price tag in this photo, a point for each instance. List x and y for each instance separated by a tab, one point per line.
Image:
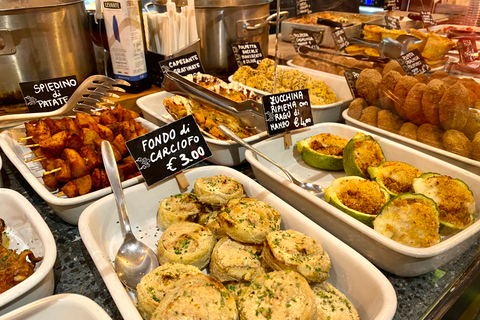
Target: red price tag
467	50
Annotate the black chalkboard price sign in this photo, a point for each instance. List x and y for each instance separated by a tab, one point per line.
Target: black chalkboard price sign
427	18
48	95
287	111
390	5
169	149
303	38
351	77
247	54
183	65
303	7
413	63
340	39
392	22
467	48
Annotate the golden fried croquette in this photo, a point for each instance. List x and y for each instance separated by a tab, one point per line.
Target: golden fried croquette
393	65
400	92
473	124
432	135
386	120
439	74
356	107
476	147
413	104
431	97
437	47
453	108
369	115
456	142
449	81
471	84
408	130
422	77
472	98
386	89
367	85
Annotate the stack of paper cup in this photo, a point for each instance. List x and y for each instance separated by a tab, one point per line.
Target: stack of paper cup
472	16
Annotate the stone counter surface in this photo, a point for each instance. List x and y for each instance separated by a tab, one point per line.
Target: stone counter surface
75	271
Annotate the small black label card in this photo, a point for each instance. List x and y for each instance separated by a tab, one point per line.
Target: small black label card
427	18
248	54
392	22
413	63
48	95
340	39
184	65
169	149
287	111
304	38
467	47
351	77
303	7
390	5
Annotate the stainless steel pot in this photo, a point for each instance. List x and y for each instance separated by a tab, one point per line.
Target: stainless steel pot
41	40
221	23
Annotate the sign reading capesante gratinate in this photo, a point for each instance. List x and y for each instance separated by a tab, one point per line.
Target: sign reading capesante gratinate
287	111
184	65
169	149
49	94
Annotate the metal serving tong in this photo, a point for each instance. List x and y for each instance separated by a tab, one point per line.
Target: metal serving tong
304	50
89	93
388	47
355	56
249	113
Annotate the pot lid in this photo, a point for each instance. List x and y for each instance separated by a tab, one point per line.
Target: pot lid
29	4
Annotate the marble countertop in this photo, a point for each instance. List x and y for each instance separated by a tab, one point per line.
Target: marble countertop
75	271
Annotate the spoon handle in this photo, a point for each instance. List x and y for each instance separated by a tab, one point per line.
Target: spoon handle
114	178
240	141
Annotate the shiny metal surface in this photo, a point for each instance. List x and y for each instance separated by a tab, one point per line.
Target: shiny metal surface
134	259
217	28
47	42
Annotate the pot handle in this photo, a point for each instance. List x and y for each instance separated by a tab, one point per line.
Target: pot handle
146	5
283	15
253	27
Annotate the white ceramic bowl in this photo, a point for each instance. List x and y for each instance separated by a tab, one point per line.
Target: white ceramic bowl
69	209
67	306
385	253
462	162
321	113
367	288
26	229
225	153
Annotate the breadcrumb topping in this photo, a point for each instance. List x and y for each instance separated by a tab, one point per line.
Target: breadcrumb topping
367	154
328	144
361	195
398	176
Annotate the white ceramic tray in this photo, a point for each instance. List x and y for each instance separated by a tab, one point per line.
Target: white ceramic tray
69	209
26	229
293	65
225	153
462	162
385	253
367	288
67	306
321	113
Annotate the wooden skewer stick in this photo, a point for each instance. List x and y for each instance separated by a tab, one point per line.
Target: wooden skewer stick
61	193
26	154
36	159
24	138
52	171
32	145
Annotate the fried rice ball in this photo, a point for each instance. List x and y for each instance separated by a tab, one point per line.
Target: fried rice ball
422	77
393	65
432	135
453	108
413	104
402	88
367	85
386	120
476	147
439	74
457	142
356	107
471	84
386	89
473	124
408	130
370	115
472	98
449	81
431	98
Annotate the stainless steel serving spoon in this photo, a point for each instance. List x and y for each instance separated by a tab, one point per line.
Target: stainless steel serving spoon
315	189
134	259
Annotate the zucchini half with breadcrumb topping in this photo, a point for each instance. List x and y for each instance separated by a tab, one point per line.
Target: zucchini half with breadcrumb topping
361	152
358	197
323	151
454	199
396	177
